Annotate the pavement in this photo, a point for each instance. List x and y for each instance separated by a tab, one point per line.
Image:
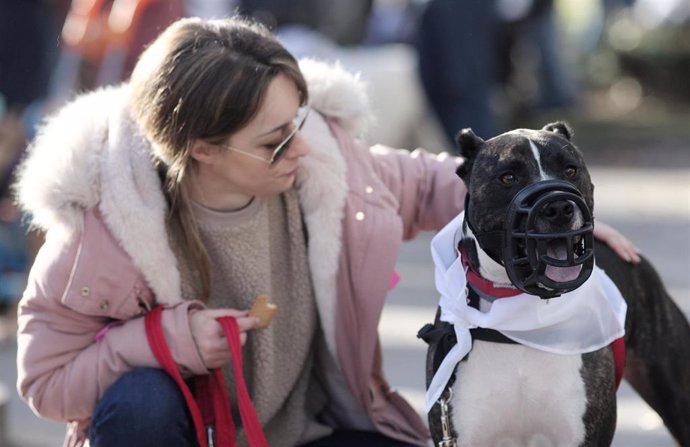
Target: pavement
648	202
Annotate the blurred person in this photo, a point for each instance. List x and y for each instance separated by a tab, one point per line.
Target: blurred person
28	31
14	250
534	28
466	51
27	52
344	22
393	21
220	171
457	63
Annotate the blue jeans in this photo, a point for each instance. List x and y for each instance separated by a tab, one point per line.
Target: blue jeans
349	438
144	407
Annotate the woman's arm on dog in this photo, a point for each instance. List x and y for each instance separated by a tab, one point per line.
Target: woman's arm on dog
618	243
428	191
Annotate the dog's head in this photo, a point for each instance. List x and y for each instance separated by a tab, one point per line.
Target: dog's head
529	207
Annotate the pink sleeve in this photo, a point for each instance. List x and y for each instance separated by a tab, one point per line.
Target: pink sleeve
62	370
429	192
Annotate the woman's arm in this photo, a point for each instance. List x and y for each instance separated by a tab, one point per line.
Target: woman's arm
621	245
429	192
63	369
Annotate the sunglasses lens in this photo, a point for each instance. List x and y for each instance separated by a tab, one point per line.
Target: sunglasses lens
285	145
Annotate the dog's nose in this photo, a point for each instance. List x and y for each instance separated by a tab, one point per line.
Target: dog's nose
559	212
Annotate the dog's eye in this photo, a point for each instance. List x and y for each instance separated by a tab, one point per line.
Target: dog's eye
570	171
507	179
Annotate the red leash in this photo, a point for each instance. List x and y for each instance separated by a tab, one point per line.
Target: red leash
210	410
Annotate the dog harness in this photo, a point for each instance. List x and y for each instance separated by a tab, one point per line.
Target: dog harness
478	284
587	319
442	336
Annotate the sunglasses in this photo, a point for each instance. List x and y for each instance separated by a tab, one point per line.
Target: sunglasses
283	146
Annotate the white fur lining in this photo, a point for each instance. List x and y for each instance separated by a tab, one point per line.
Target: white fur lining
134	207
323	191
60	176
338	94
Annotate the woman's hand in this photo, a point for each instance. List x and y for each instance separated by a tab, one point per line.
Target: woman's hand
210	338
618	243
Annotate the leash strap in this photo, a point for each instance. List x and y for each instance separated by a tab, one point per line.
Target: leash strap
210	411
215	409
156	339
250	420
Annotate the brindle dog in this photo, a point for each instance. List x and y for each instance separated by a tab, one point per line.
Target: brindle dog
657	338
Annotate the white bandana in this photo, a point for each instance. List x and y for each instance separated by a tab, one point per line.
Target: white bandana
577	322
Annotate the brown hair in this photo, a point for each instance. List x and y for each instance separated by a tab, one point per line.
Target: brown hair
202	79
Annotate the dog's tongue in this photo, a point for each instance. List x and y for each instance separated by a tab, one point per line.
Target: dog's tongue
560	274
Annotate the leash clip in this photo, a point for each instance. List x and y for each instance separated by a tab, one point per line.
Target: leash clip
448	440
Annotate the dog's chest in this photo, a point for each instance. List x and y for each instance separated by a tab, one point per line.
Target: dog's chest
513	395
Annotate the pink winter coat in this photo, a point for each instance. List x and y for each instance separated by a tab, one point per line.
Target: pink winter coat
107	260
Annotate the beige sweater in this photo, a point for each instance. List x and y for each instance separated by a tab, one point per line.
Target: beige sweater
261	249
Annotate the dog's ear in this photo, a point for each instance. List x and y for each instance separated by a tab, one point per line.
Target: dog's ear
468	146
560	128
468	143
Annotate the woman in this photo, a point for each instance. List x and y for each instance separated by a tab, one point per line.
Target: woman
202	183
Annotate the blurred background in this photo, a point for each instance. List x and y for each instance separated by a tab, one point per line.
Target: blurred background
617	70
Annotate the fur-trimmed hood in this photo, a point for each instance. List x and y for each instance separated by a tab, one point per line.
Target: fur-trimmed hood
91	154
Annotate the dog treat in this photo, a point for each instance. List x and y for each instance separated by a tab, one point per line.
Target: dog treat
263	310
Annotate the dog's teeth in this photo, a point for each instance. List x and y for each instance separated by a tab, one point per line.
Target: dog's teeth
557	251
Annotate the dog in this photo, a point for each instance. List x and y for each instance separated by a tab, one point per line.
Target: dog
508	393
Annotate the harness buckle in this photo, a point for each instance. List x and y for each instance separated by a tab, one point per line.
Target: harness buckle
448	439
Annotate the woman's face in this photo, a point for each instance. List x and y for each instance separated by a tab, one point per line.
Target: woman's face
227	176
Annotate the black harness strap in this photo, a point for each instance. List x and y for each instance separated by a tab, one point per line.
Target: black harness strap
442	336
481	333
492	335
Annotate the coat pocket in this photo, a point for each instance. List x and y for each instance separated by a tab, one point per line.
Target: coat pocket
104	281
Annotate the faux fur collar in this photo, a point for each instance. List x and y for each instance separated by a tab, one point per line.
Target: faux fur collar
91	153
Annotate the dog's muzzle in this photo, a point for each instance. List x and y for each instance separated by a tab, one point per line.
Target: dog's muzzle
538	262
